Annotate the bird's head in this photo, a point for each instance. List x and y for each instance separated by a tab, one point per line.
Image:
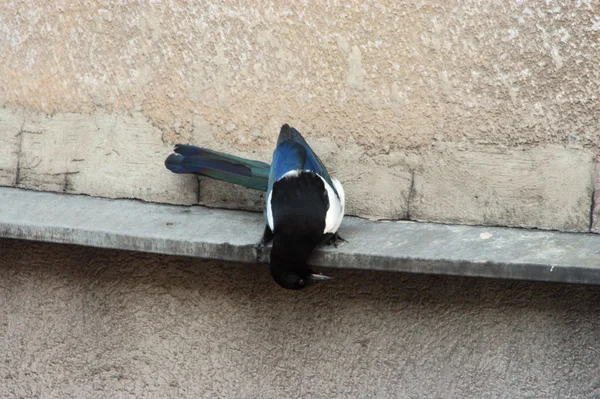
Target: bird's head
295	280
288	263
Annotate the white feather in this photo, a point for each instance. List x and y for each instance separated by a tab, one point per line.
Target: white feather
270	213
342	194
335	213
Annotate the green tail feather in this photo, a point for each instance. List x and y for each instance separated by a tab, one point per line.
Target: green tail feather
219	166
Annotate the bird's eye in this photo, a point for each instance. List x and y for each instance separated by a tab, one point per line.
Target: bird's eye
301	281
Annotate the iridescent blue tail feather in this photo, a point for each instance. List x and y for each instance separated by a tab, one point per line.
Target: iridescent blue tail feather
220	166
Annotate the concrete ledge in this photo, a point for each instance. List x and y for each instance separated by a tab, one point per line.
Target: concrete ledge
231	235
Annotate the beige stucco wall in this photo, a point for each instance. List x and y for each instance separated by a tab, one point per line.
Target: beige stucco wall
85	323
482	112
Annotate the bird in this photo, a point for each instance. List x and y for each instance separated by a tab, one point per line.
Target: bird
304	205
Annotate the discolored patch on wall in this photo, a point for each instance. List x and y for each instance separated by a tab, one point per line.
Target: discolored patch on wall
544	187
11	129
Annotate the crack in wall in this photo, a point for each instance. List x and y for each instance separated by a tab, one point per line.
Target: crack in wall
68	184
593	202
20	154
411	193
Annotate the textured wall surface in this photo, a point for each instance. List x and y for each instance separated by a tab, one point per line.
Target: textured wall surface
79	322
96	92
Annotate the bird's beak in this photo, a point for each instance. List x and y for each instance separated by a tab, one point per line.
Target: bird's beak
317	278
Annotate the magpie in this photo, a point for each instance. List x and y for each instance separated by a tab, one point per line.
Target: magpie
304	205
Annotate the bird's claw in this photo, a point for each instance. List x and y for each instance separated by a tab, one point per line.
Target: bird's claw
265	240
335	240
259	251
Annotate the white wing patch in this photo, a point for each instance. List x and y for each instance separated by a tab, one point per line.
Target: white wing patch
270	213
335	213
342	194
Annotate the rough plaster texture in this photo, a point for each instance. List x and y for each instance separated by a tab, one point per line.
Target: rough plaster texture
79	322
375	86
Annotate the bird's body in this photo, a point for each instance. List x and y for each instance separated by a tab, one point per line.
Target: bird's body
304	205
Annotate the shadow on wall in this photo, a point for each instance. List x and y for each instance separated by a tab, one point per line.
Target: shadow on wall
82	322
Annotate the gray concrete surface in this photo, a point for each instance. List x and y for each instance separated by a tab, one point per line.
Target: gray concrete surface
79	322
231	236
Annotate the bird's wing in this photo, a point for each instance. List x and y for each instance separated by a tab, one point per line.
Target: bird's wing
293	152
312	161
288	155
292	141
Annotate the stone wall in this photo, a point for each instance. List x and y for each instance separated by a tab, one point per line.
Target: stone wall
450	111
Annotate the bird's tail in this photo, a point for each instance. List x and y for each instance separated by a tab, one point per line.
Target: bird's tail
220	166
